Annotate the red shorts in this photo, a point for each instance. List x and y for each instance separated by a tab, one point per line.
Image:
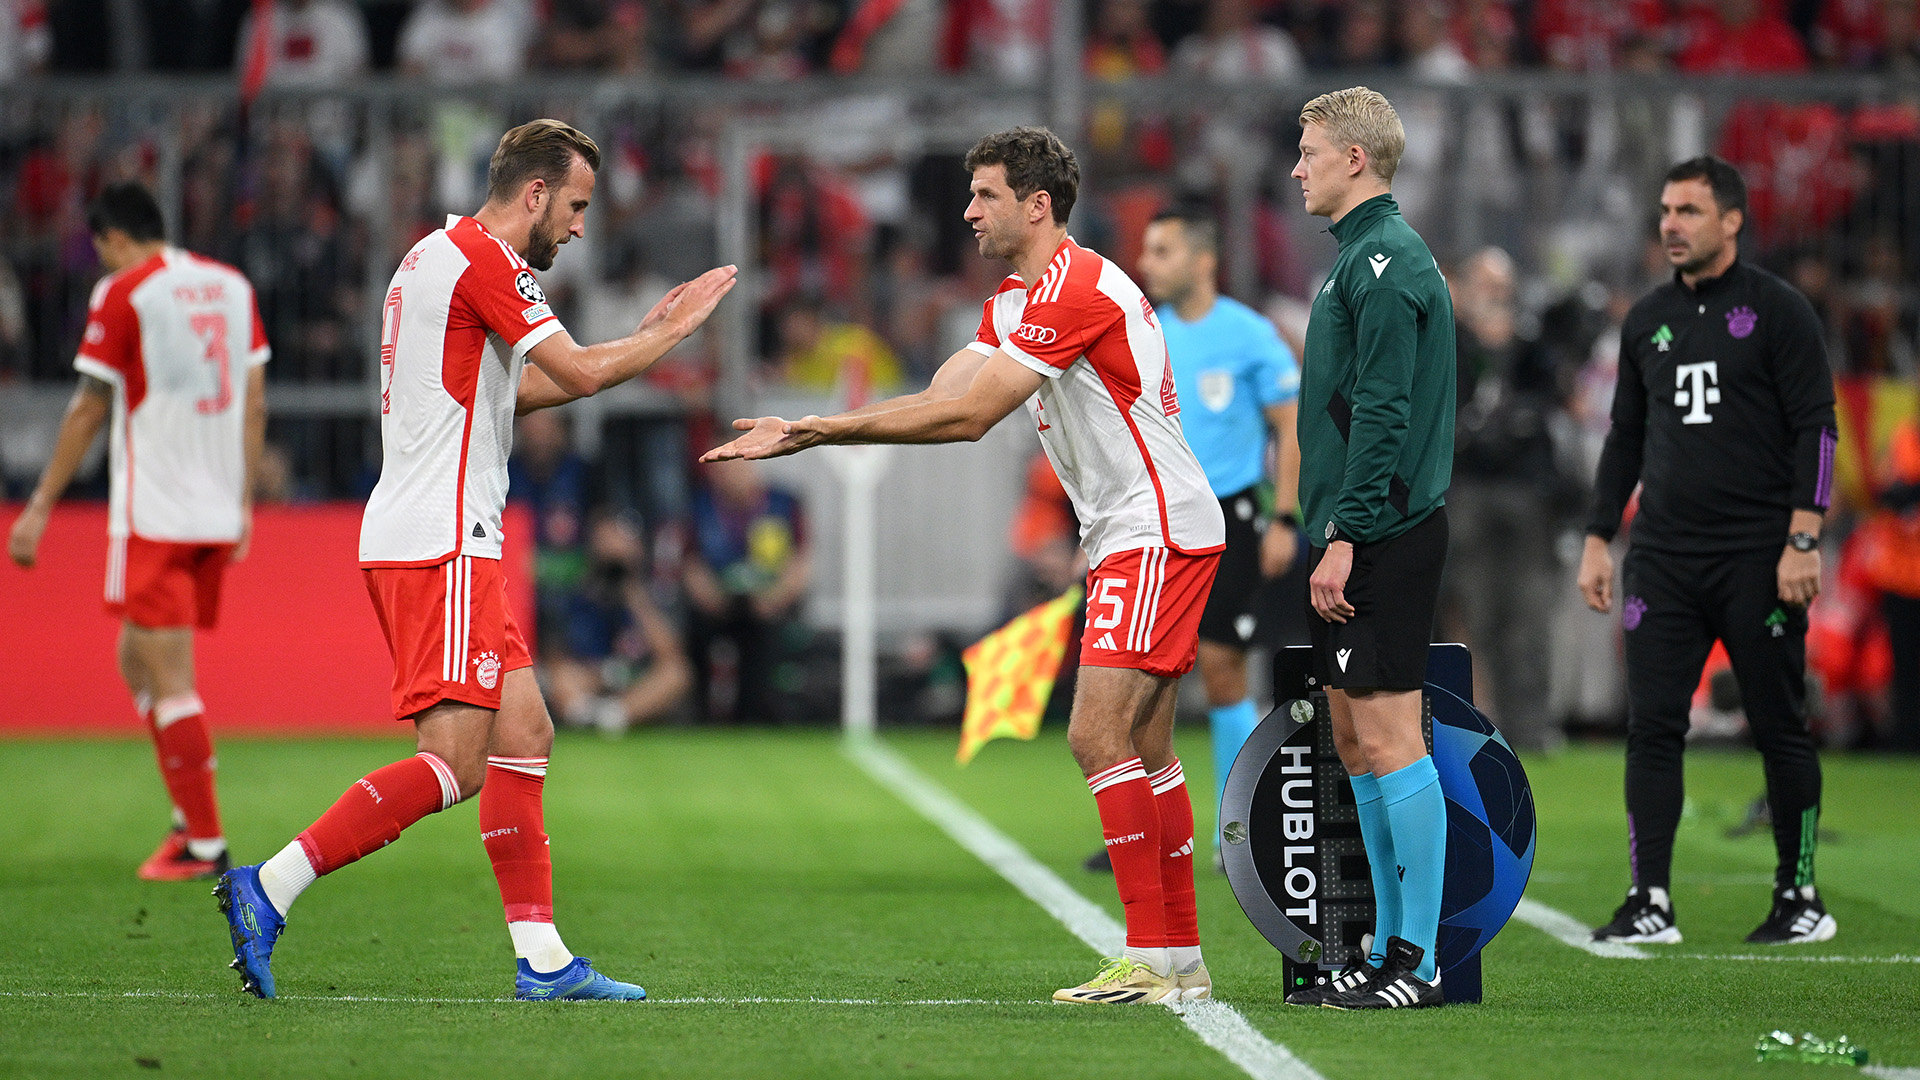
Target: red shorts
449	630
1143	610
161	583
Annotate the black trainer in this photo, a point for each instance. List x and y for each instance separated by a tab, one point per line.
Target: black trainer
1798	918
1354	975
1394	986
1640	920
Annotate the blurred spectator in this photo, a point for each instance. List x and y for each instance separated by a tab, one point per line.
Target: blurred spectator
823	354
597	35
1801	179
553	481
465	41
618	661
1005	38
1233	46
744	576
192	35
292	243
1364	41
1889	551
1121	43
308	42
1503	574
1431	53
1882	320
889	37
26	40
1746	37
1594	35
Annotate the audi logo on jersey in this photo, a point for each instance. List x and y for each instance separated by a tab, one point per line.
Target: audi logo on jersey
1039	335
528	288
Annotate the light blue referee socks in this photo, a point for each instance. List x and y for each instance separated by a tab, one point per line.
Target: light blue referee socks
1377	835
1417	813
1230	725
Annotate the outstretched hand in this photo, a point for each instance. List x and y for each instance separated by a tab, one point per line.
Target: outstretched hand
768	437
688	304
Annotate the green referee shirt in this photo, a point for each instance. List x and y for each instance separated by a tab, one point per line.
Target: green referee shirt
1377	385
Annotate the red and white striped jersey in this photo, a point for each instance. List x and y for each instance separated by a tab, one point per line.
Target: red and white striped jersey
460	316
169	334
1107	414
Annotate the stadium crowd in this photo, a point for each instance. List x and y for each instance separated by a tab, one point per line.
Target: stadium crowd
648	600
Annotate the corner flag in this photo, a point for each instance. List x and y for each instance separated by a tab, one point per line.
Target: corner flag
1010	673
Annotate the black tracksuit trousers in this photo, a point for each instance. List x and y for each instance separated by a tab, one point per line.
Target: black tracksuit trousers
1673	607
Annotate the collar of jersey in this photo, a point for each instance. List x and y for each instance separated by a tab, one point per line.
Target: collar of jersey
1361	218
1707	285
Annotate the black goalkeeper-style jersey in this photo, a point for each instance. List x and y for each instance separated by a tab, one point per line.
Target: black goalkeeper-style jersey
1723	413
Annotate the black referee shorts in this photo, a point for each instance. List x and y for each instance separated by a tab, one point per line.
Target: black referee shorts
1229	617
1394	588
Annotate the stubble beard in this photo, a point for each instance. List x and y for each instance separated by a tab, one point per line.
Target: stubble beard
542	243
1696	260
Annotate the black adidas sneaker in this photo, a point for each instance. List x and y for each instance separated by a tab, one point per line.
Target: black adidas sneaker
1394	986
1641	920
1350	977
1798	918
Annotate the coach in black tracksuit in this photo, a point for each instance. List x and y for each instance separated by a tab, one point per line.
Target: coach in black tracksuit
1724	415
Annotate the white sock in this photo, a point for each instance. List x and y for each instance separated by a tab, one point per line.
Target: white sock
1157	959
1659	896
285	876
539	944
207	850
1184	957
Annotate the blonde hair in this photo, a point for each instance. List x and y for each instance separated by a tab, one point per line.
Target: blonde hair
1361	117
542	149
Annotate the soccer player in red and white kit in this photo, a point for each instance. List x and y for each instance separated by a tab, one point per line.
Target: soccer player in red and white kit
1072	336
173	354
467	342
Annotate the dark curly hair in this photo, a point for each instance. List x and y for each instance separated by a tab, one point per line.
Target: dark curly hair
1035	160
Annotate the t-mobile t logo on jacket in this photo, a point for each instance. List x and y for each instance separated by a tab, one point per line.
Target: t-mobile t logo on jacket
1694	393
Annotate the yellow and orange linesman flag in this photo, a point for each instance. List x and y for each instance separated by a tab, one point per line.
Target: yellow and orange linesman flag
1010	674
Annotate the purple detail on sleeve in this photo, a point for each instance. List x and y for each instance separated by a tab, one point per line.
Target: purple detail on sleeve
1823	489
1633	852
1630	613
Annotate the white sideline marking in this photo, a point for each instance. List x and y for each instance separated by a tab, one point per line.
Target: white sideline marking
362	998
1571	931
1217	1024
1891	1072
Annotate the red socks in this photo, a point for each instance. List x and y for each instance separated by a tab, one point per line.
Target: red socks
1176	855
376	808
185	750
1131	822
513	828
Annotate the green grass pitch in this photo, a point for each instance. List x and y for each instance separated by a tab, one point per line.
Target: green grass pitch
748	864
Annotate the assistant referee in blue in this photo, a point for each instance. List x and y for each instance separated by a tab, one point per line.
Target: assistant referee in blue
1237	383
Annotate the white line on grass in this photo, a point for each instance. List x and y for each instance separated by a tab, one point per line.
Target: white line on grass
1891	1072
1217	1024
1571	931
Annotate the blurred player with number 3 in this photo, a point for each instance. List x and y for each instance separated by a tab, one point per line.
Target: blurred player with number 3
173	354
467	341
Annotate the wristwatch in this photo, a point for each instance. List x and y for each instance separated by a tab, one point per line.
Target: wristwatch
1803	541
1335	532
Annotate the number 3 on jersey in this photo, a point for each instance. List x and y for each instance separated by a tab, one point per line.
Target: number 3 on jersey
389	340
211	328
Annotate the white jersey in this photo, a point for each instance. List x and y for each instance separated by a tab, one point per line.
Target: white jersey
176	336
1108	415
460	316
